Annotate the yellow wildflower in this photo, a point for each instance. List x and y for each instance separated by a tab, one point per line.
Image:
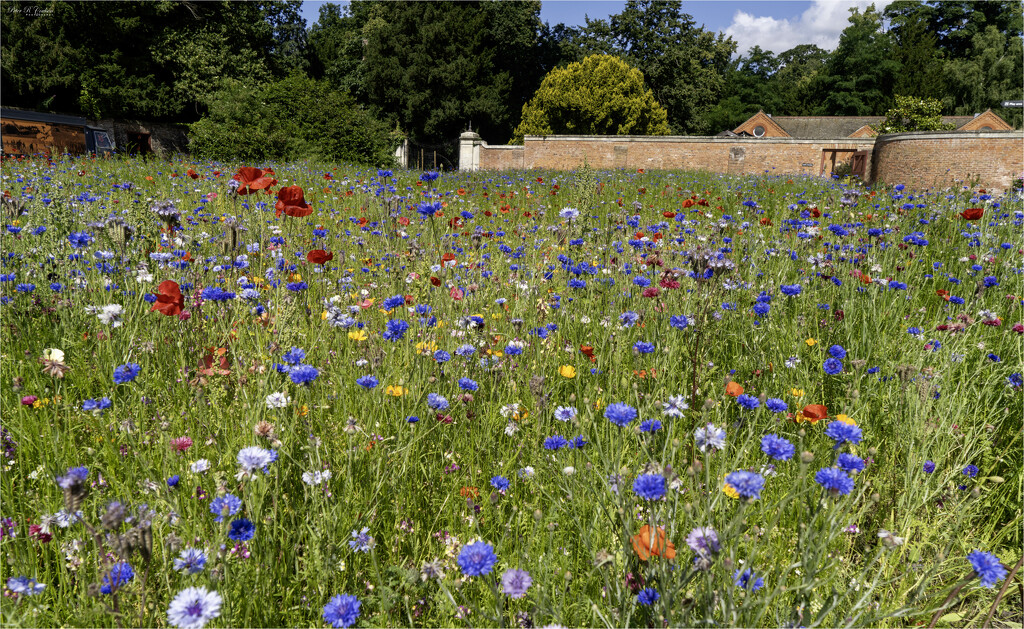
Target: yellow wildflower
811	342
357	335
567	371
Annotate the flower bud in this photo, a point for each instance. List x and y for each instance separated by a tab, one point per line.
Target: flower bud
806	456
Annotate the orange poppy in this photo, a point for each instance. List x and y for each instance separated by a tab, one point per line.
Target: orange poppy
169	299
814	412
252	179
319	256
734	389
644	547
588	351
291	201
191	173
972	214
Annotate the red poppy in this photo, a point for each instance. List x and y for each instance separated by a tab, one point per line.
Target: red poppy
290	201
191	173
218	355
972	214
448	259
943	293
169	299
456	293
814	412
435	281
734	389
815	212
252	179
403	220
588	351
319	256
766	221
688	203
669	214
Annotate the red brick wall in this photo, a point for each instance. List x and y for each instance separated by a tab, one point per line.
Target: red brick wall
944	159
927	158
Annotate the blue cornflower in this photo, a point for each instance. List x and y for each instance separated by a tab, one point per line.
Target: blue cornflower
242	530
643	347
96	406
296	287
25	288
500	483
126	373
971	471
467	384
648	596
120	574
679	322
437	402
565	413
294	356
792	290
850	462
748	402
25	585
628	319
225	506
342	610
427	209
75	476
442	356
395	329
214	293
834	480
303	374
747	484
191	560
649	486
173	481
747	580
837	351
650	425
515	582
394	302
412	419
777	447
555	442
987	566
79	240
776	405
477	559
928	467
833	366
841	432
620	414
577	442
761	308
362	541
367	382
513	350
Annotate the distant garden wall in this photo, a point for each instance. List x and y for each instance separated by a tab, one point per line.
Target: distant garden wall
937	158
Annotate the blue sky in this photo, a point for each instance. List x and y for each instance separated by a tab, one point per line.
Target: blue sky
773	25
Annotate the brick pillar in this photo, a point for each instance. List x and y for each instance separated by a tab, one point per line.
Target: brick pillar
469	151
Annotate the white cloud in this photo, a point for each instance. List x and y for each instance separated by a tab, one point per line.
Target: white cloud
821	24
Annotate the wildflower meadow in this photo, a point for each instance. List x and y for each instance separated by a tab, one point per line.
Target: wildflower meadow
301	394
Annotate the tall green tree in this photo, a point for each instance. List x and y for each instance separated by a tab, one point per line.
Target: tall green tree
683	64
141	59
861	73
436	67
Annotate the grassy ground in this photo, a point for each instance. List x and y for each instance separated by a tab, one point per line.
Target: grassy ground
648	298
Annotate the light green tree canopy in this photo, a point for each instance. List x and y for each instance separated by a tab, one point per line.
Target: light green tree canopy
601	95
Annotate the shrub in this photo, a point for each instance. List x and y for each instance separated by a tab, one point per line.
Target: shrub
601	95
294	118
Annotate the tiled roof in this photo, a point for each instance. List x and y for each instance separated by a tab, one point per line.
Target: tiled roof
829	127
